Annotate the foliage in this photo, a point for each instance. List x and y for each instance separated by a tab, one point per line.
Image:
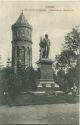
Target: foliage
61	80
73	76
1	66
67	59
28	79
11	82
70	53
67	62
72	40
15	83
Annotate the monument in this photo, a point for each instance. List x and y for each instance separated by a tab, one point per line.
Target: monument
21	43
45	65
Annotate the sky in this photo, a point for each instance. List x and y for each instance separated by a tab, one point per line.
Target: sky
54	18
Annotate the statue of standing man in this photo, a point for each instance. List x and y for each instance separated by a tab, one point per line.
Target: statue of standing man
44	47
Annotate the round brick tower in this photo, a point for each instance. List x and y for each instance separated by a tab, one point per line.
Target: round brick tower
21	43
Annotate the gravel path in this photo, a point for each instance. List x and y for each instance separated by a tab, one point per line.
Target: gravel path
40	114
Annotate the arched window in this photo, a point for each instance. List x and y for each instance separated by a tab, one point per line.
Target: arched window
18	53
13	56
21	56
28	52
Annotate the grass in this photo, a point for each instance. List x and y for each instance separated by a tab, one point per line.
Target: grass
28	99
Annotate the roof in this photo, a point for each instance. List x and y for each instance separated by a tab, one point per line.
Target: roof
22	21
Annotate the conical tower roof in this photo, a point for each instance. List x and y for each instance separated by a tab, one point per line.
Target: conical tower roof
22	21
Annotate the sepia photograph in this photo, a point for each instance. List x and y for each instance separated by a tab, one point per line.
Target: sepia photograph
39	62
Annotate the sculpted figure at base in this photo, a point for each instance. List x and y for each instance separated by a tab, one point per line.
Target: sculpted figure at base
44	47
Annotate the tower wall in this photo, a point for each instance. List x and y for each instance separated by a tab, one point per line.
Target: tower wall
21	44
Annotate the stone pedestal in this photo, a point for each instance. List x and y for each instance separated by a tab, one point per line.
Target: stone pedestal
46	74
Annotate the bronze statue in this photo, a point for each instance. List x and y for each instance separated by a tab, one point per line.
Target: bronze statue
44	47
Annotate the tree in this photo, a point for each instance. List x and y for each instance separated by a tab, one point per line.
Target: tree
72	40
28	78
61	80
68	60
1	66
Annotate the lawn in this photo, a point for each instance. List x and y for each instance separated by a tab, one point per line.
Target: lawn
40	114
29	99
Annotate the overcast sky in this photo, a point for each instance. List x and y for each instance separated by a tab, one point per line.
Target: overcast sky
55	23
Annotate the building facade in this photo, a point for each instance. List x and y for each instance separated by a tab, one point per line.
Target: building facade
21	43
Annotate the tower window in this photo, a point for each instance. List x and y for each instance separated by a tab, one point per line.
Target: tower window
17	33
21	56
28	52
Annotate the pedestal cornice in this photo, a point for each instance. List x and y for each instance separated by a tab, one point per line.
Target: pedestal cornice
45	61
